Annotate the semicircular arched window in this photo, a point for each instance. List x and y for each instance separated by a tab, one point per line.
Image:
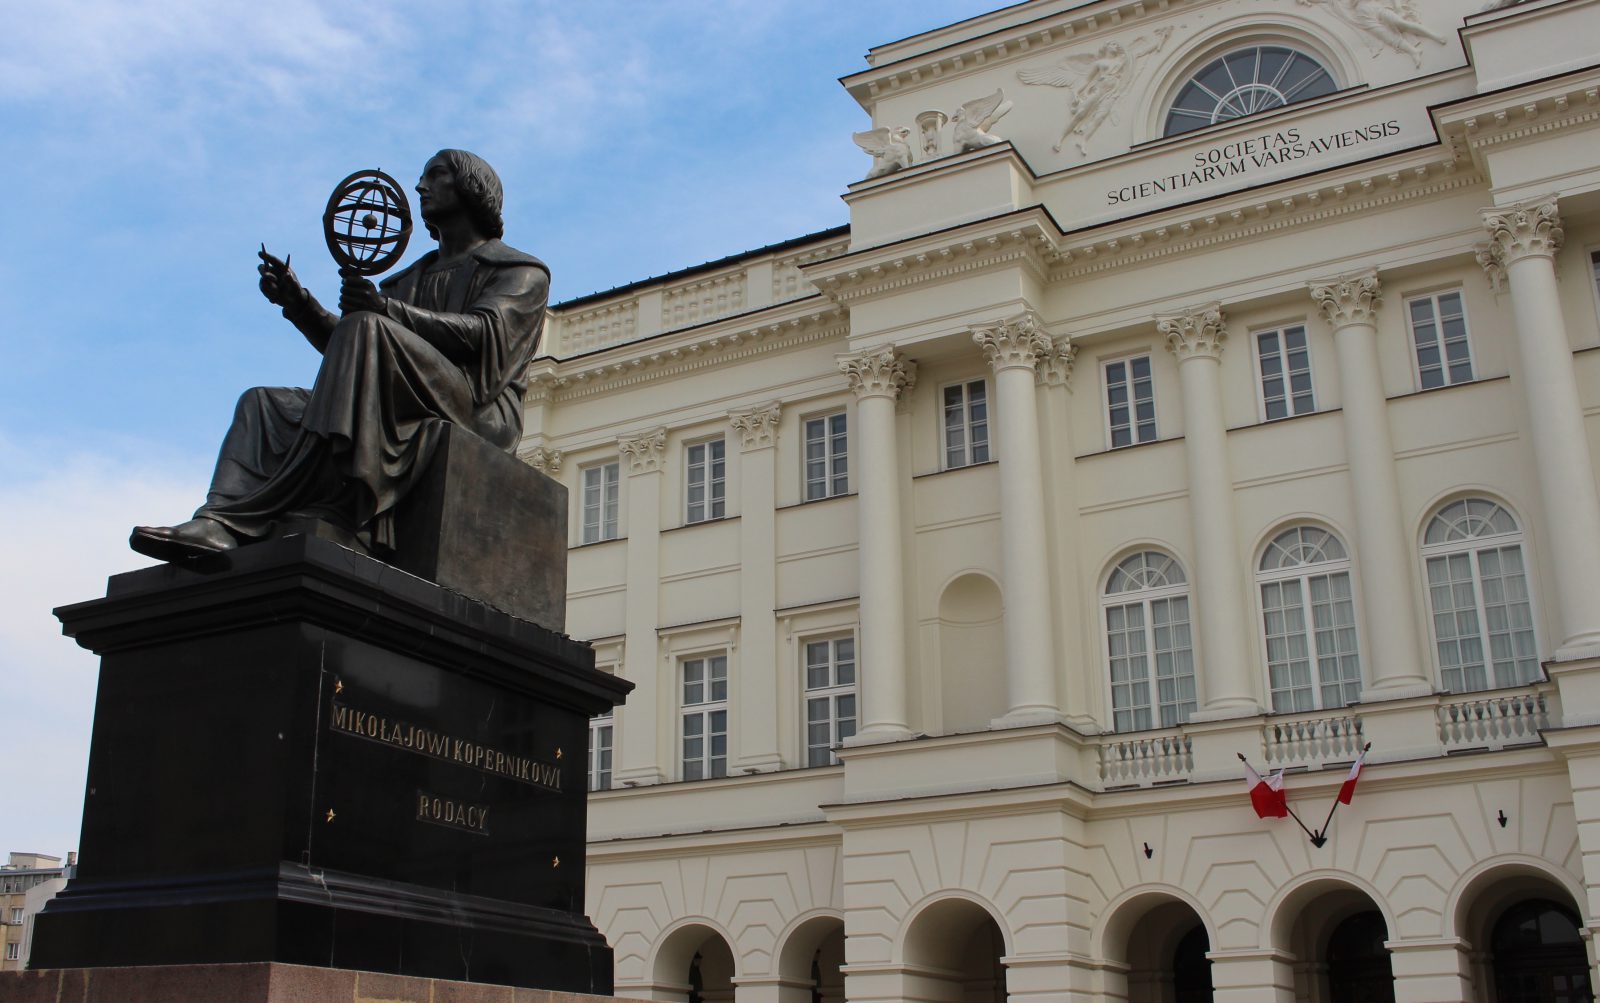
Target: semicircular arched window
1149	651
1247	81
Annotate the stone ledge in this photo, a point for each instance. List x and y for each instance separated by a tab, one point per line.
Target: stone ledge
265	982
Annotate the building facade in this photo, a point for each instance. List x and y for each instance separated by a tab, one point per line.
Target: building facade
1226	384
27	882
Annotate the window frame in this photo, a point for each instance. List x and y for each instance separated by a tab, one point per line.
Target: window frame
1427	551
1105	399
967	446
1592	257
1145	596
1261	379
615	499
704	710
1306	48
832	691
711	503
606	723
1411	336
1303	573
834	485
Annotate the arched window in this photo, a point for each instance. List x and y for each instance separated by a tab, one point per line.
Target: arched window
1478	595
1244	81
1539	956
1147	622
1308	616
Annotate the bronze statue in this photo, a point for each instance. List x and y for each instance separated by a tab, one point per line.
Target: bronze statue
445	340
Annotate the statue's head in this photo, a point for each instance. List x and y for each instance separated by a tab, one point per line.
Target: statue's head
478	188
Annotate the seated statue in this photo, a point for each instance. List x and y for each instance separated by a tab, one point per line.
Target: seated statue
447	339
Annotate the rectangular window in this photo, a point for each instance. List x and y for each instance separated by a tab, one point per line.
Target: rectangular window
600	488
1594	270
705	717
1285	364
600	740
1439	332
13	952
966	424
1130	401
1134	632
830	697
707	481
827	457
16	917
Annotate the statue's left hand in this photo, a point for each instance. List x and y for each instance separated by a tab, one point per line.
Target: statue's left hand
358	294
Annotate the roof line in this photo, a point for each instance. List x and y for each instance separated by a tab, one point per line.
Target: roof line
782	245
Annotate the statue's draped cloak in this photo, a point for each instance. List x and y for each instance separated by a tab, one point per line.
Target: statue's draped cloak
452	345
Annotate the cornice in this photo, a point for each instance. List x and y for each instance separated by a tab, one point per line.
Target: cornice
1485	121
1015	238
1224	220
665	356
1003	45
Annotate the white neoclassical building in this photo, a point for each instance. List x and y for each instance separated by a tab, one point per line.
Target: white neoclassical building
1227	383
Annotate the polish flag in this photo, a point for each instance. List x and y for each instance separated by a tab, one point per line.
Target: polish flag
1347	790
1266	796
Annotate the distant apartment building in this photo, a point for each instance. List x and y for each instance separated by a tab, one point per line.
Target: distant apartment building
27	882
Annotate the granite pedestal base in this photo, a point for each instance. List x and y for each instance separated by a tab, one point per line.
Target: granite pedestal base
303	755
258	983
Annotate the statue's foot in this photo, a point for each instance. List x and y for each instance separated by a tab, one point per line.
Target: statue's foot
198	537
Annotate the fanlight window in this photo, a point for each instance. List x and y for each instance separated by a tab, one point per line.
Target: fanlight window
1478	595
1148	645
1244	82
1308	617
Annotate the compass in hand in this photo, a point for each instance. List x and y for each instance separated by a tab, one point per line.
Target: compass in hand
367	223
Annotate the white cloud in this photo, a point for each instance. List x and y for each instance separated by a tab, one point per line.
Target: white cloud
64	521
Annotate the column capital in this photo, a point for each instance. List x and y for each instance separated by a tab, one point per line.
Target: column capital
757	427
644	451
881	373
1015	343
1055	366
1347	300
543	459
1522	229
1196	333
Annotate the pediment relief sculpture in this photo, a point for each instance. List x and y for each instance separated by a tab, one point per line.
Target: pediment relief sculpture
1394	24
1096	81
937	135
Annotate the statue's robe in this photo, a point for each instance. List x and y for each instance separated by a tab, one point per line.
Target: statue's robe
453	345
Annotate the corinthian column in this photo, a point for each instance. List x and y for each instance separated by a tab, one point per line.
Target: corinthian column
1014	348
878	378
1195	337
1394	647
1523	240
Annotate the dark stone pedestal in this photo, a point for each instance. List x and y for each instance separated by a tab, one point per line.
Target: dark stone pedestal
302	755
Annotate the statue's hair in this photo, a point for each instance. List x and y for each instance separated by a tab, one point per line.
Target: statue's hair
480	190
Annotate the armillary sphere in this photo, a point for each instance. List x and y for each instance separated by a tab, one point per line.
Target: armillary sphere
367	223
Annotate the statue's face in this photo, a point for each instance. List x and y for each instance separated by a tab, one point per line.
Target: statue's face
436	190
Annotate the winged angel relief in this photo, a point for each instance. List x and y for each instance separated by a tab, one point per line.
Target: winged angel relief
1394	23
1097	81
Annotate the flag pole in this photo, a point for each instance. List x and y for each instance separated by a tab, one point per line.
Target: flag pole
1335	806
1315	837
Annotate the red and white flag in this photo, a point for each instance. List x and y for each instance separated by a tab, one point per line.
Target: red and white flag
1266	796
1347	790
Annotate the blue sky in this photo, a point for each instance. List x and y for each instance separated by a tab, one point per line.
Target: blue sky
152	147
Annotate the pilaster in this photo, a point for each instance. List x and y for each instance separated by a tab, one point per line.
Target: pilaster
878	379
1394	656
1523	239
1195	337
638	734
761	668
1014	348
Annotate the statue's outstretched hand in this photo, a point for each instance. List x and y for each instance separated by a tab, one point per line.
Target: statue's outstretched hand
278	282
358	293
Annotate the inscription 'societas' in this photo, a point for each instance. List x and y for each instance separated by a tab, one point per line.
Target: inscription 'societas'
438	745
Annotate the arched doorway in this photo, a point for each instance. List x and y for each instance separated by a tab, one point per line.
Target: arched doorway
1163	943
810	960
1359	969
956	946
693	965
1538	956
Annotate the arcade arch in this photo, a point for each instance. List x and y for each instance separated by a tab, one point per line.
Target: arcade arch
957	947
